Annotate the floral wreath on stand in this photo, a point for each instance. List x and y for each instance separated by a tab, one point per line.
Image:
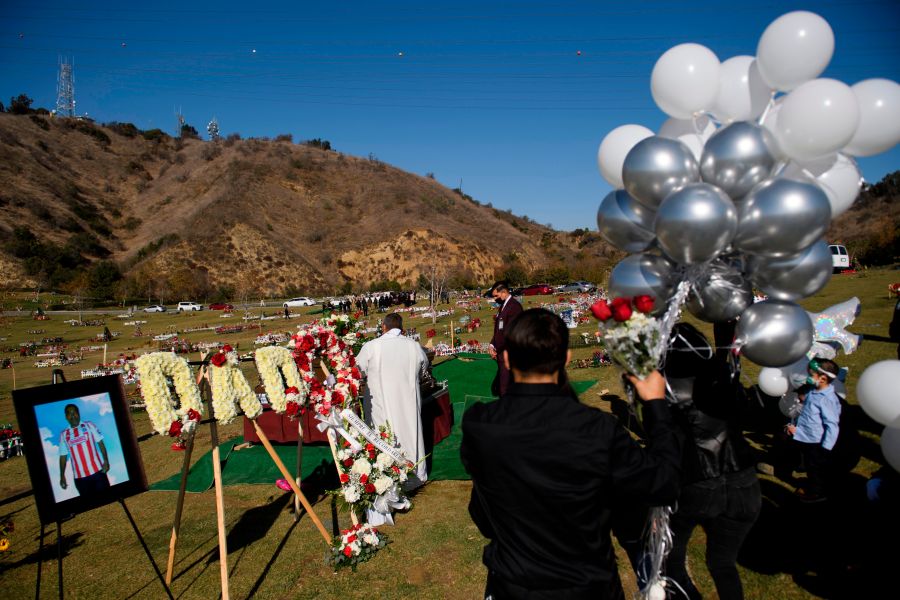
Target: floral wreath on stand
322	340
370	478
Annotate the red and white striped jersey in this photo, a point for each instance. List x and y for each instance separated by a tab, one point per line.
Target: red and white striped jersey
80	445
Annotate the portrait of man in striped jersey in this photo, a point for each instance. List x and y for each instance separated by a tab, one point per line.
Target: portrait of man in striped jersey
81	444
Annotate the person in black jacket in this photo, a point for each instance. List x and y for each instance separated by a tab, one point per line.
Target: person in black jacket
547	469
510	308
720	491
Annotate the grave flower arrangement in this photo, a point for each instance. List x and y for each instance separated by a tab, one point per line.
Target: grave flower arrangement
355	546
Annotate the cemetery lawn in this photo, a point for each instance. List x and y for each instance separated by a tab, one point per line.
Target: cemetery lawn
435	550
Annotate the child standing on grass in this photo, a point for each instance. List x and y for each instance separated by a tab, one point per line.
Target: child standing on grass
817	428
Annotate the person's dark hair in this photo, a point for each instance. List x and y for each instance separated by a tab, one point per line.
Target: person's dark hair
827	365
500	286
537	342
68	406
393	321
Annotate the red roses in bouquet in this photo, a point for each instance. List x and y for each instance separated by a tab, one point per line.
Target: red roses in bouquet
620	309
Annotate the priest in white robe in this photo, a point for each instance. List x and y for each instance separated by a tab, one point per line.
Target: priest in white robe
393	364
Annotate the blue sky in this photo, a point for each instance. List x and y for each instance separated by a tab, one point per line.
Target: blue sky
492	95
51	420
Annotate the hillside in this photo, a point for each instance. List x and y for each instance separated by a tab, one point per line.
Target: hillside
185	216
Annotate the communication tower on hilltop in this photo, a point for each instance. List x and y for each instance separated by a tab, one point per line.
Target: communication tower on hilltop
65	89
181	121
213	130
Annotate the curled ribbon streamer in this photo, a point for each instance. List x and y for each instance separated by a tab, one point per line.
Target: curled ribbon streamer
333	421
390	500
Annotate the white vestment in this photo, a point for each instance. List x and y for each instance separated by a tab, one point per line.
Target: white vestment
392	364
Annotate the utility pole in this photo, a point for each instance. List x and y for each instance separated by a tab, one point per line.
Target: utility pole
65	89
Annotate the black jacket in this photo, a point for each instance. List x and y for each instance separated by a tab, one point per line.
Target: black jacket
546	469
709	405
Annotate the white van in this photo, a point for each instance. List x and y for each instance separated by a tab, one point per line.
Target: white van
840	260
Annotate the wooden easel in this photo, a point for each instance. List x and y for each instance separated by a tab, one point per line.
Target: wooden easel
57	377
206	395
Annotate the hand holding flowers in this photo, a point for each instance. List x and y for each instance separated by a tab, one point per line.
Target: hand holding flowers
629	334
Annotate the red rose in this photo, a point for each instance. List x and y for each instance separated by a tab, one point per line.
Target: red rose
644	303
291	409
621	309
364	479
600	310
370	489
395	468
351	539
175	429
337	397
384	435
344	478
307	343
218	359
193	415
292	390
370	447
348	551
227	348
352	361
348	462
354	373
341	345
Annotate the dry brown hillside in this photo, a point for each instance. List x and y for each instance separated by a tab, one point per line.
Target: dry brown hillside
268	216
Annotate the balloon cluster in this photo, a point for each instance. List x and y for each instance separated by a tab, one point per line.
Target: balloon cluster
879	397
738	187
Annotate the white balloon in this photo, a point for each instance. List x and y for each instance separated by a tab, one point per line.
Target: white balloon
890	445
743	95
878	391
693	133
773	381
879	117
817	118
794	48
615	147
837	174
685	80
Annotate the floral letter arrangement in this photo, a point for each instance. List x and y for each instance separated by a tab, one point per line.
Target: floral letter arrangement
166	419
230	387
630	335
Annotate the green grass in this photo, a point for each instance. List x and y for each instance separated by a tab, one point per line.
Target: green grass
436	550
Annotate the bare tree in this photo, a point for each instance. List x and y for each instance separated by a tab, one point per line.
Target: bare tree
434	279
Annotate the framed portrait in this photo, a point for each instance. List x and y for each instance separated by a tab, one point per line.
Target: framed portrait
79	445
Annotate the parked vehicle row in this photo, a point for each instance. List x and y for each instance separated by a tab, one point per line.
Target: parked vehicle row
189	307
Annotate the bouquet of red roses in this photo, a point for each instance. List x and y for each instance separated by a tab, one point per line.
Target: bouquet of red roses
629	334
355	545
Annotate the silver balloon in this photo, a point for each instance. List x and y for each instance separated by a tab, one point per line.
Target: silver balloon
695	223
624	222
656	167
737	157
781	217
795	277
722	294
644	273
774	333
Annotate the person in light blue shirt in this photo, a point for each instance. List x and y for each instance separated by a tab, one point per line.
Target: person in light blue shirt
816	430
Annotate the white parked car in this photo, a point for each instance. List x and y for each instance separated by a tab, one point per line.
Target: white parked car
302	301
155	308
184	306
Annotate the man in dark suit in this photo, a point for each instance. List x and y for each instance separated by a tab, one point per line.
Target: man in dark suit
509	310
546	471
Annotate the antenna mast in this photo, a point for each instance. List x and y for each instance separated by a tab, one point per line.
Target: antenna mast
65	89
